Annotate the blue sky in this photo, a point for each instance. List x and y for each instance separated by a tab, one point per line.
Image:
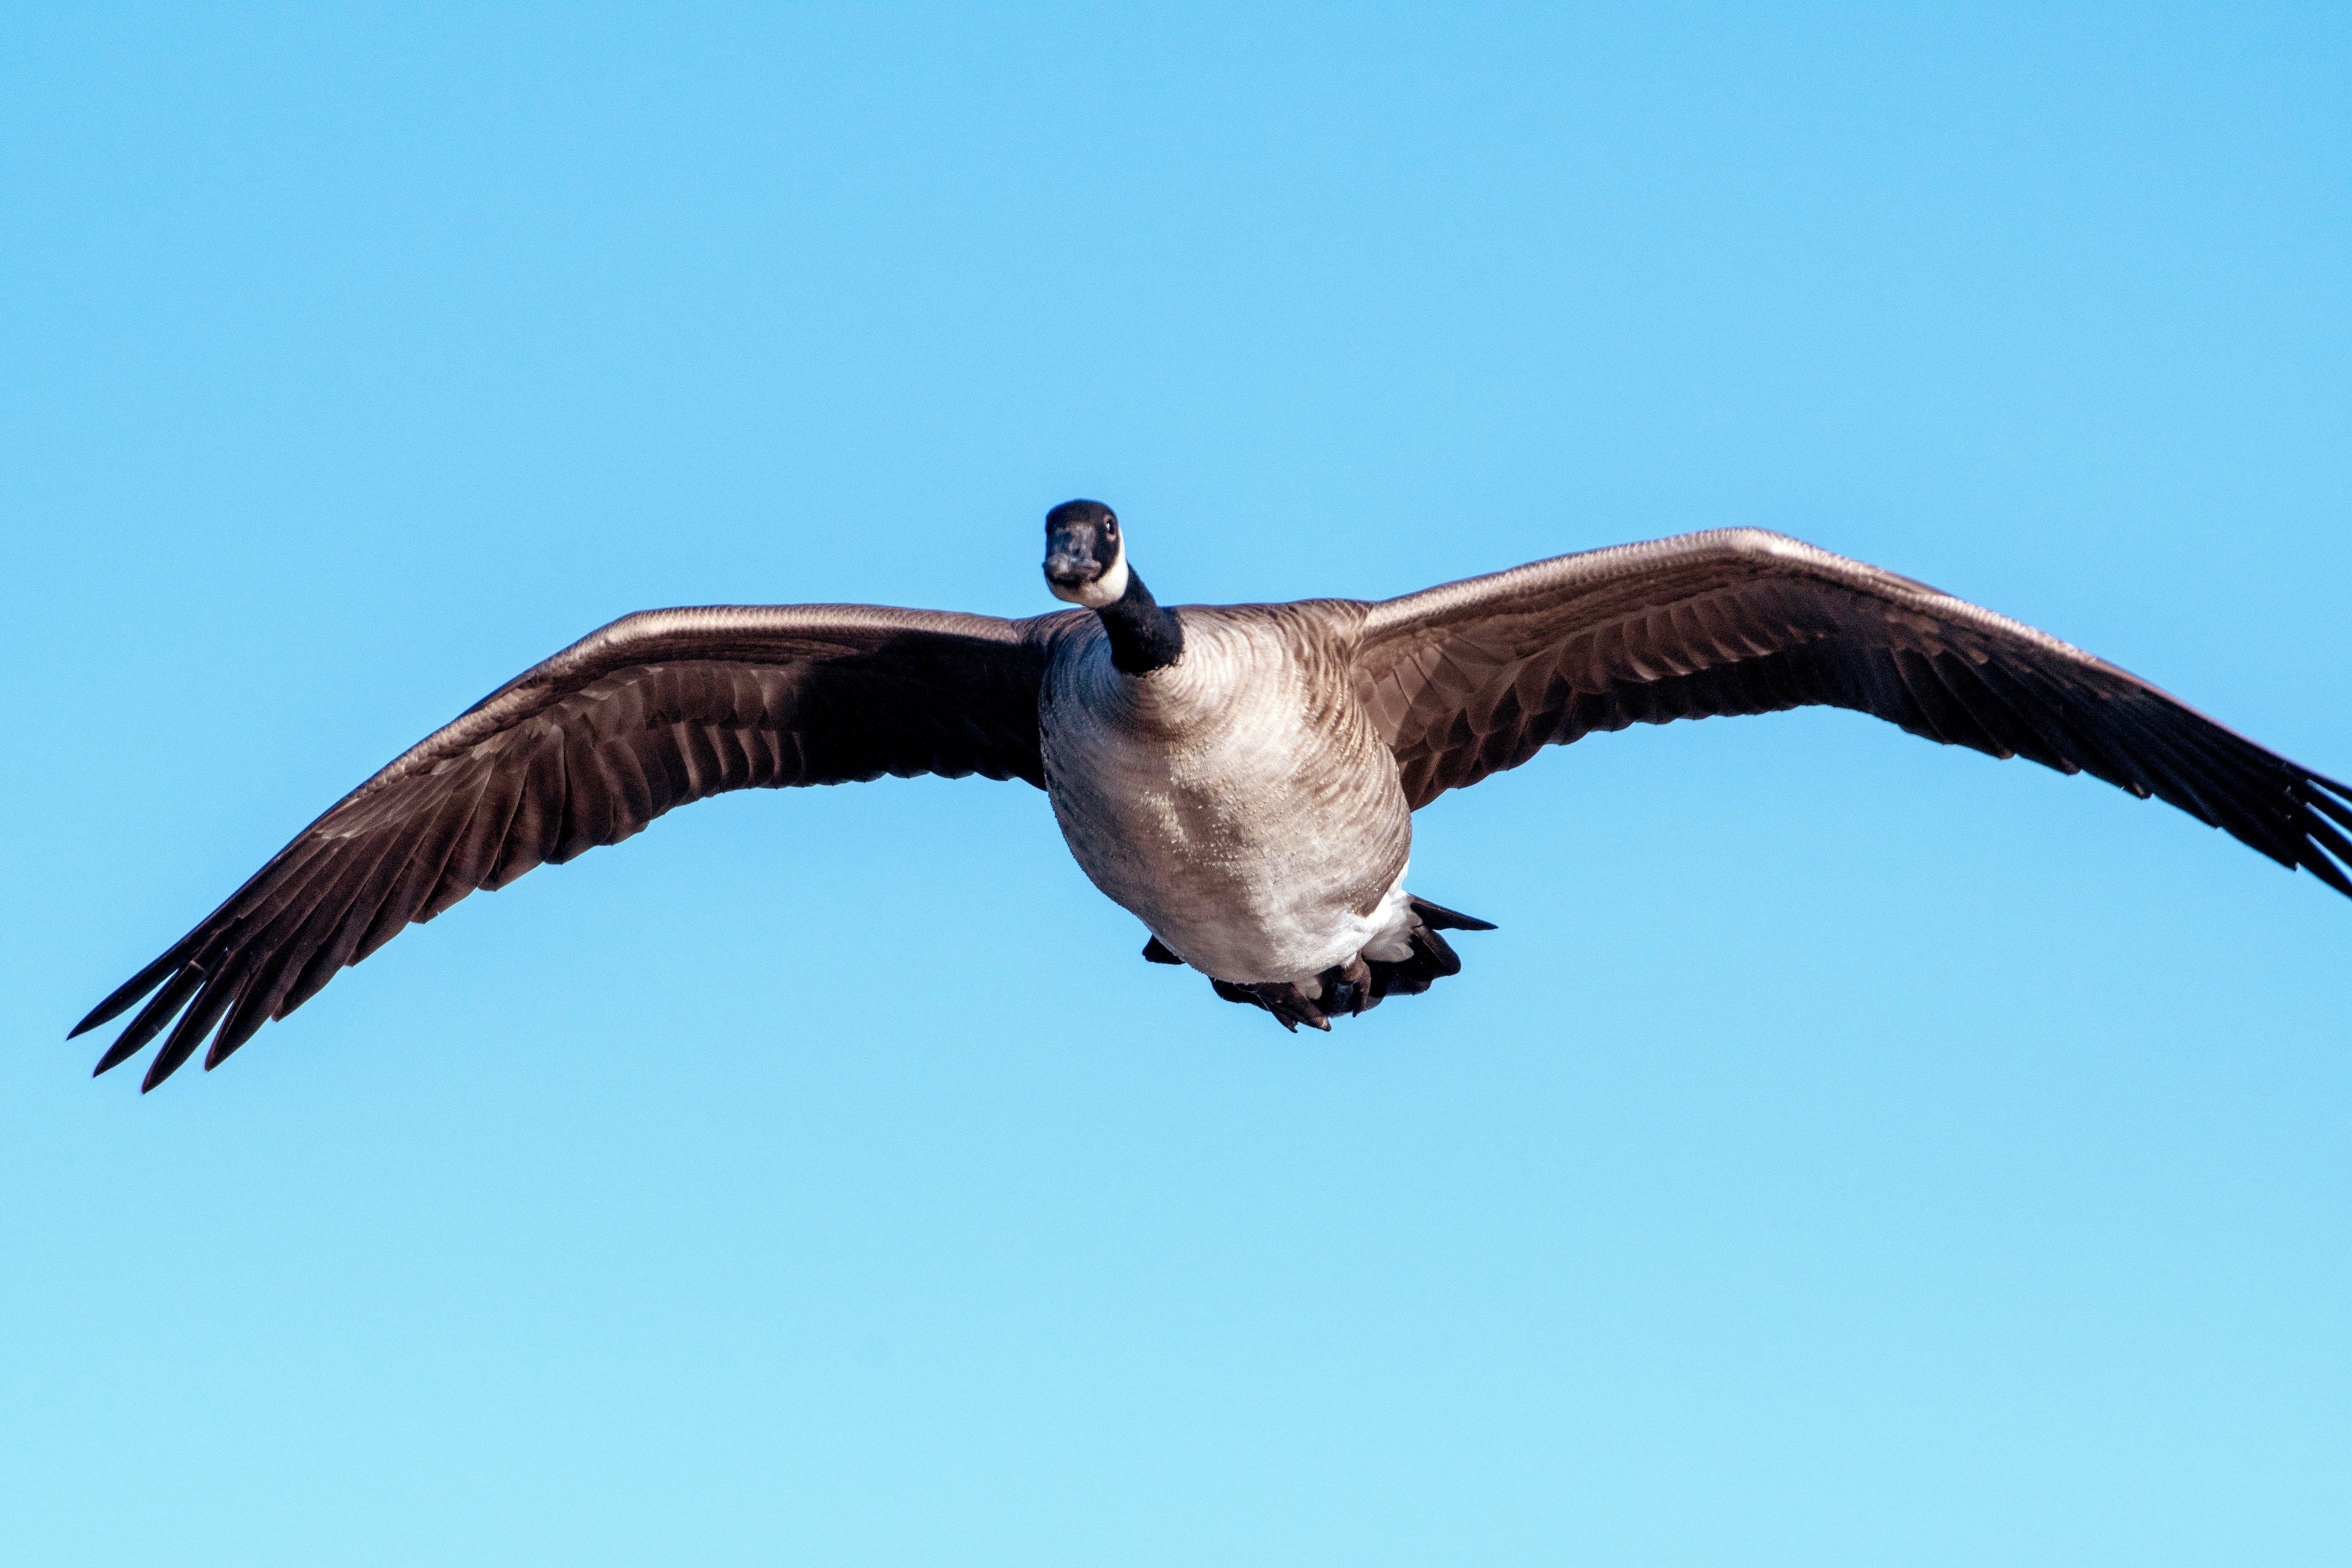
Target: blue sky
1847	1151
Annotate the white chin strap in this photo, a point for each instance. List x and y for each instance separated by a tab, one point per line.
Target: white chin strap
1106	589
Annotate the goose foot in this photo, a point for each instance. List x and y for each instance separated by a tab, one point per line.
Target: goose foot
1348	987
1356	986
1288	1004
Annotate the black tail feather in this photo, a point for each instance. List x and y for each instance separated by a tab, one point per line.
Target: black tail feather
1437	917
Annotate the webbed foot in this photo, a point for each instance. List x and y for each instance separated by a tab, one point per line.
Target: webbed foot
1348	987
1289	1006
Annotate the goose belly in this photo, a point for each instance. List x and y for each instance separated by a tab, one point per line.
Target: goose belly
1242	811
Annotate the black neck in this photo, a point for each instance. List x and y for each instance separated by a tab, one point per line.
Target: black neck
1143	637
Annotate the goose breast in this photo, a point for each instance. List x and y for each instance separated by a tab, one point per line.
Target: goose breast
1239	801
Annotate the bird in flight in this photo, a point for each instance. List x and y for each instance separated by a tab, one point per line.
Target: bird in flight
1240	777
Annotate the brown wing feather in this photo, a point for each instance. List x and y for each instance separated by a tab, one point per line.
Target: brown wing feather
1475	677
653	712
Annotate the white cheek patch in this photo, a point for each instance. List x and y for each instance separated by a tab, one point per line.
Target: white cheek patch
1107	589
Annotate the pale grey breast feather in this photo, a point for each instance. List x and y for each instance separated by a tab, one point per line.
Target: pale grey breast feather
1253	748
1351	777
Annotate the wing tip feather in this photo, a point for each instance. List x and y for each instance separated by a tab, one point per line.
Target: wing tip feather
128	994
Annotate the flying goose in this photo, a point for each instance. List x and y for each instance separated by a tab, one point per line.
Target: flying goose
1240	777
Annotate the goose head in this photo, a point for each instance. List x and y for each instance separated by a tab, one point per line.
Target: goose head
1086	556
1085	564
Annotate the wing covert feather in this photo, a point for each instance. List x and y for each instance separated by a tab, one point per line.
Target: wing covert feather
1475	676
656	710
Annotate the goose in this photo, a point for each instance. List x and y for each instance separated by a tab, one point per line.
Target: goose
1242	778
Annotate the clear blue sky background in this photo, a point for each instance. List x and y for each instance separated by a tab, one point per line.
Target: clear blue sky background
1847	1151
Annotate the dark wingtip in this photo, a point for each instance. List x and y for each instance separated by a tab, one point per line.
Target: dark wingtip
132	990
114	1007
121	1051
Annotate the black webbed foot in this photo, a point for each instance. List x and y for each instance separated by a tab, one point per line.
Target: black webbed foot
1348	987
1358	985
1289	1006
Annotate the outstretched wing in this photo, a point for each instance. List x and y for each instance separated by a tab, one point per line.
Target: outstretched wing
655	710
1475	676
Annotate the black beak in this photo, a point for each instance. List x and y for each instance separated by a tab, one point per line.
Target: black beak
1070	560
